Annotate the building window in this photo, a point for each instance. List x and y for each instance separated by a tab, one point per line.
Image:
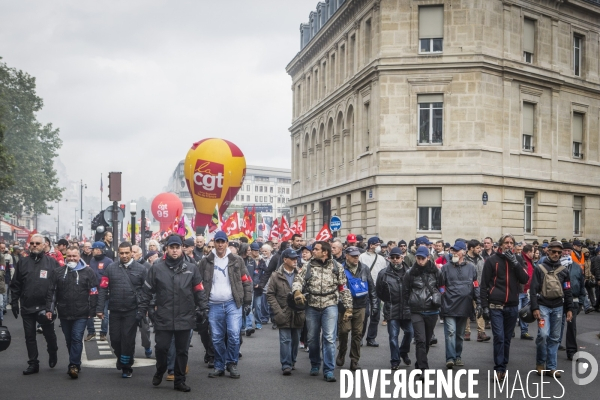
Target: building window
529	212
248	198
429	204
528	40
271	189
577	209
577	42
287	190
528	126
431	29
260	189
431	113
255	199
578	135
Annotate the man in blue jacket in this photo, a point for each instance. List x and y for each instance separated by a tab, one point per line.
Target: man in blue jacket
98	264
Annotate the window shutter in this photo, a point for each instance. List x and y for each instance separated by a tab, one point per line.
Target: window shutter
578	127
577	203
430	98
529	35
431	22
528	115
429	197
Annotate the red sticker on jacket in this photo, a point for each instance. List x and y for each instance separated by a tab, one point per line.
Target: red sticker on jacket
101	266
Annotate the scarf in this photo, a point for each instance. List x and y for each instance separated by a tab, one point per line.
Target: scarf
174	263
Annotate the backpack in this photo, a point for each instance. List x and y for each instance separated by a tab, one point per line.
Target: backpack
551	286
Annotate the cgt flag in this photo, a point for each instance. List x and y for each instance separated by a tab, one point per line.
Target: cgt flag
274	230
324	234
302	227
286	232
231	226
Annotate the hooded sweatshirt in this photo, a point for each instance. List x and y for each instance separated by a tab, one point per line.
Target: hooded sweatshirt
221	285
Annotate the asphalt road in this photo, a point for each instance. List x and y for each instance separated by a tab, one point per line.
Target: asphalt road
260	370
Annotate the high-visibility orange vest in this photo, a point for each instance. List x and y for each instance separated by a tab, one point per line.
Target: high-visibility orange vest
578	260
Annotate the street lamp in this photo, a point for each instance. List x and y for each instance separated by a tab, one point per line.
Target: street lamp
132	210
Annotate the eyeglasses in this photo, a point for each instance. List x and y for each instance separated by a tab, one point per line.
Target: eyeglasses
402	245
556	251
395	257
35	243
211	247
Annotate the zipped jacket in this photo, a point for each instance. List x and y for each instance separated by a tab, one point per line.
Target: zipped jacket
501	280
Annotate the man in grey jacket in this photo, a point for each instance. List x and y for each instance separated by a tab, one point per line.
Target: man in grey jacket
459	288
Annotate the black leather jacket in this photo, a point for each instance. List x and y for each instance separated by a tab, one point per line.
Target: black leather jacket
390	287
417	296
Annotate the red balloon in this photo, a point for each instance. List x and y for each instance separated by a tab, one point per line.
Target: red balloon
165	207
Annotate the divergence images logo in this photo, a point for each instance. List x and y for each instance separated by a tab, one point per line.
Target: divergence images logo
208	179
583	362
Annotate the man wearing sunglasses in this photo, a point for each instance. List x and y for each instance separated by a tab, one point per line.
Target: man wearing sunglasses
547	305
28	287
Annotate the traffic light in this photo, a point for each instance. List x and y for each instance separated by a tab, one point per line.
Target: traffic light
114	186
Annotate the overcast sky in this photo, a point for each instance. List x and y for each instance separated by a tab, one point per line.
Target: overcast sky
133	83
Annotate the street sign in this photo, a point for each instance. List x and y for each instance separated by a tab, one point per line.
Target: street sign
335	224
108	214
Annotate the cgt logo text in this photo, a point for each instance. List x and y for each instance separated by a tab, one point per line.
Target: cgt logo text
461	384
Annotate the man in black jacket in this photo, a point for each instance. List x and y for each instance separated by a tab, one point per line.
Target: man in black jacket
390	286
74	291
547	304
124	279
98	263
29	287
362	289
177	284
501	282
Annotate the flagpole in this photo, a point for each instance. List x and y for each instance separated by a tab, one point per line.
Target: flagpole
101	189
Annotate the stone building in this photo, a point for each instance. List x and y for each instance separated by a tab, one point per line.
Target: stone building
406	112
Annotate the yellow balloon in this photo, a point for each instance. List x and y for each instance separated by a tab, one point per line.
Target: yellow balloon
214	170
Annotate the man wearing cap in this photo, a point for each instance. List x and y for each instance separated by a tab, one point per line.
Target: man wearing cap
501	282
289	321
61	246
460	288
390	288
228	288
351	239
363	293
375	263
547	305
188	250
123	279
325	282
177	284
98	264
409	258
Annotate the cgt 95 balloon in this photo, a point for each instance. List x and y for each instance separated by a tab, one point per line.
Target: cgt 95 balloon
214	170
165	208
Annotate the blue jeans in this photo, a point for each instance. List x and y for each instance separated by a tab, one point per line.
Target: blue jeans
325	322
523	301
503	325
91	329
258	301
454	335
548	337
265	310
289	339
225	319
1	306
73	330
393	327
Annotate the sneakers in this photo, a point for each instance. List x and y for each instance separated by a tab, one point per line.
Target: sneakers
233	371
287	371
250	331
314	371
258	326
127	373
211	362
156	379
526	336
89	337
39	329
182	387
148	352
170	376
459	362
395	367
405	359
449	364
467	336
216	373
330	377
103	337
73	372
301	345
372	343
482	337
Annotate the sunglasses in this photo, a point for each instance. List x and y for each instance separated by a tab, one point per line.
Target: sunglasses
395	257
35	243
211	247
556	251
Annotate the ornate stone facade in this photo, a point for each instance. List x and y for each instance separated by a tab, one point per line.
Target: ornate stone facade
378	117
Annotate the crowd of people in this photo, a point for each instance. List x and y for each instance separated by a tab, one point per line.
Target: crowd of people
321	296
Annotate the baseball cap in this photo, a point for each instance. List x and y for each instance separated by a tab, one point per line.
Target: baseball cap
99	245
459	245
63	242
255	246
544	245
174	239
307	247
351	238
373	240
396	251
360	238
422	252
402	242
353	251
150	254
189	242
221	236
422	240
289	253
577	243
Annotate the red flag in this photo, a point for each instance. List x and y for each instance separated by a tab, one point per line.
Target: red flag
248	228
294	227
302	226
324	234
231	225
253	218
33	232
274	230
286	232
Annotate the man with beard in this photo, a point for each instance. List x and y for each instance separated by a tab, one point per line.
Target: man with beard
29	287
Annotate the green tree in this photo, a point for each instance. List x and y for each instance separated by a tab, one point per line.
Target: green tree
32	145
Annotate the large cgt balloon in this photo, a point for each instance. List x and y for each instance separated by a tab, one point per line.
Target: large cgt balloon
165	207
214	171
